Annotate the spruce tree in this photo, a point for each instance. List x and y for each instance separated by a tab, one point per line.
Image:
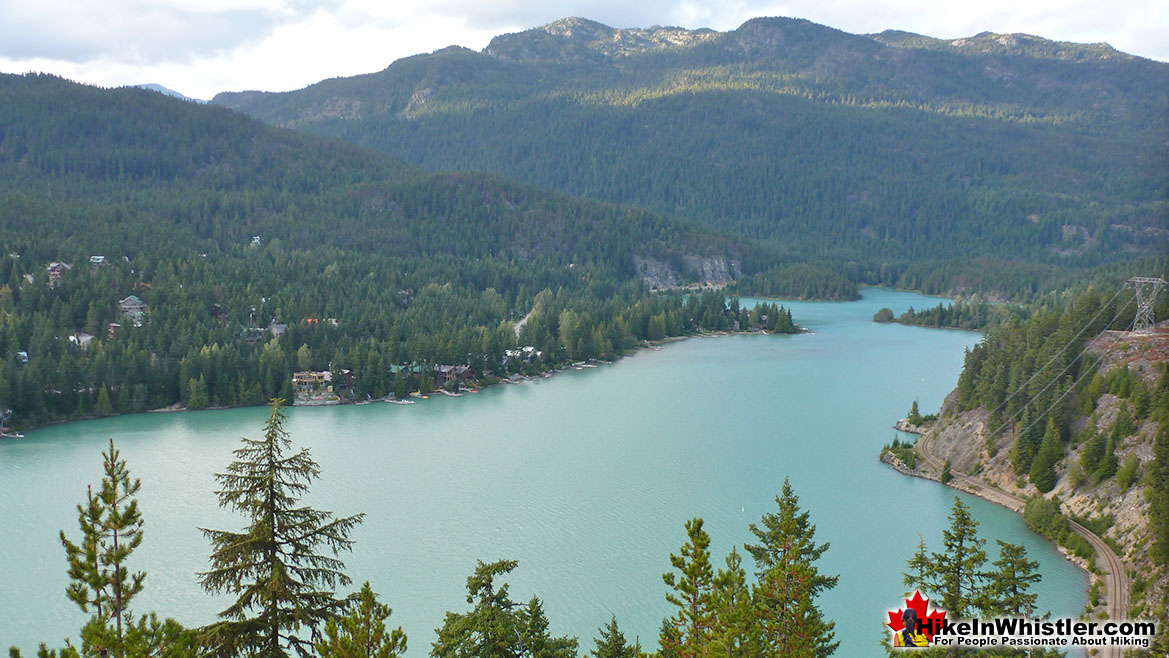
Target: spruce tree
789	621
1009	587
611	643
919	568
691	593
1158	493
914	416
283	565
957	571
1043	465
103	406
362	632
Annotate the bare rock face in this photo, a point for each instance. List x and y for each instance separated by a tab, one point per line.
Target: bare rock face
656	274
714	268
960	439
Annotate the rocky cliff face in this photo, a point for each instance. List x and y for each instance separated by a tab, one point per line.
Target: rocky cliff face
962	438
703	270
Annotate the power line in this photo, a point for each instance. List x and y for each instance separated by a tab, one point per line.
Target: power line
1066	345
1054	379
1103	353
1147	288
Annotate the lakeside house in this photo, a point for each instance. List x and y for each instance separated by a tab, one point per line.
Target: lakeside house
96	263
445	374
306	382
524	354
277	329
113	329
133	308
81	339
56	271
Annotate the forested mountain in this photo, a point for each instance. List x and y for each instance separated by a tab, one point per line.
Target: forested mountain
854	147
228	230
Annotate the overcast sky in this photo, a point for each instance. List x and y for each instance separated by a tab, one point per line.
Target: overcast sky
200	47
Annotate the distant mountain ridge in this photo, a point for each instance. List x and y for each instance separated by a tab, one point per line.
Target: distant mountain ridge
151	86
855	147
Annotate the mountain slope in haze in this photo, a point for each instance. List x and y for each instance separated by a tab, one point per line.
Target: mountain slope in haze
151	86
890	146
259	251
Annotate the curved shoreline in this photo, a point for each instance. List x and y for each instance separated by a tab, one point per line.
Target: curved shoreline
1116	577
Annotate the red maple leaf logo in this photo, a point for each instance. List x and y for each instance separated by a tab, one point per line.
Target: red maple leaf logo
930	623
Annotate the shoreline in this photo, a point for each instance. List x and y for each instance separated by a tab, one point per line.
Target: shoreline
178	407
1115	605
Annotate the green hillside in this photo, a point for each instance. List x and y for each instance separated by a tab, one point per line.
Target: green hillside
227	228
851	147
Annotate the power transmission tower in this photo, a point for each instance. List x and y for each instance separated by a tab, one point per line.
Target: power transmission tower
1146	288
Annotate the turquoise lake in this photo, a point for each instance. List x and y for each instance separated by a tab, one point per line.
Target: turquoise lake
585	478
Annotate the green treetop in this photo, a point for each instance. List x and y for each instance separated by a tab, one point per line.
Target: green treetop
283	564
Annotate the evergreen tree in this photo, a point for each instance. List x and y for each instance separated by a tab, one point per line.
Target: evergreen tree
111	528
788	583
733	610
1108	461
362	632
90	578
1009	587
122	532
497	627
611	643
103	407
535	640
276	565
914	417
1123	426
956	573
1158	493
1043	465
691	593
919	568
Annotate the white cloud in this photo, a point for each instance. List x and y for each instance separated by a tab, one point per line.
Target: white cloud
200	47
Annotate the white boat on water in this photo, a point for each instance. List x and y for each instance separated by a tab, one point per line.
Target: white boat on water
401	401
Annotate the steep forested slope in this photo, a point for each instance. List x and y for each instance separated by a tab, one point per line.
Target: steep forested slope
226	228
859	147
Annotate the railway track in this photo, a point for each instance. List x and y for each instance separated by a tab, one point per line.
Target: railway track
1116	582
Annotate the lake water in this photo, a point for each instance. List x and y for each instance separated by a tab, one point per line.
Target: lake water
585	478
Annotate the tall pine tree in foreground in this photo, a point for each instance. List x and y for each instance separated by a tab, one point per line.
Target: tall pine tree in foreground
101	583
790	622
111	528
283	565
691	587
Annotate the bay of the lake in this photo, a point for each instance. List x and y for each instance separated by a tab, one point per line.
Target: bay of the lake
585	478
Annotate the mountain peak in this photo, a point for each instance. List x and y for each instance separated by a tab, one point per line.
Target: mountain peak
581	39
1011	43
